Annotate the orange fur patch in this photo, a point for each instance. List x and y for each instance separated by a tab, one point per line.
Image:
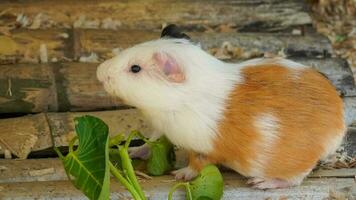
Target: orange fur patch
309	111
198	161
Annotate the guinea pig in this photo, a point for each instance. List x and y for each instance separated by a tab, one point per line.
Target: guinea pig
269	119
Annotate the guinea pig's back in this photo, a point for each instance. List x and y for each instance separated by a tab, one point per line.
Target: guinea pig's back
280	121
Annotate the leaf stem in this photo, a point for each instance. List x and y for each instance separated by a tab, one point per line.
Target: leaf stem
189	192
127	167
71	143
58	152
174	188
129	138
126	164
124	182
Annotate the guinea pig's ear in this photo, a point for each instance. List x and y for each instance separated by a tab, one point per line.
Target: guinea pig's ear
173	31
169	67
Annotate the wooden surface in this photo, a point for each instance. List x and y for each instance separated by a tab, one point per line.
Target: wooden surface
245	15
157	189
22	137
246	45
51	169
350	140
23	46
46	179
27	88
78	89
33	88
34	132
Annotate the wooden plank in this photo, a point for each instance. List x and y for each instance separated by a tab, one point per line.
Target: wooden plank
350	139
244	15
26	88
350	117
337	173
51	169
242	45
24	45
157	188
31	46
105	43
252	44
45	178
31	170
80	90
33	88
35	131
21	140
121	121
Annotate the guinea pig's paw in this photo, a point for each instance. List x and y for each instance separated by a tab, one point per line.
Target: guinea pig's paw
186	173
142	152
263	184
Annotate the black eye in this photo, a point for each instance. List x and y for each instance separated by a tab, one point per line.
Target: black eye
135	68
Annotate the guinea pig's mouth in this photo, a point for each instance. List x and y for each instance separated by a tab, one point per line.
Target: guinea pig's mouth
105	79
100	75
109	89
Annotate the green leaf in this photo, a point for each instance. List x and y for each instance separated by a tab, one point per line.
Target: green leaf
87	166
340	38
161	157
209	185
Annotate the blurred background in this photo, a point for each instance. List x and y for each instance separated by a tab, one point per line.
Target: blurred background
49	51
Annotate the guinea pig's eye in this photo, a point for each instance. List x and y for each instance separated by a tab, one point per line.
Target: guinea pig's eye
135	68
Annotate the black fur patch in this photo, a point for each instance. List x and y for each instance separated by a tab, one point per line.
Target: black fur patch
173	31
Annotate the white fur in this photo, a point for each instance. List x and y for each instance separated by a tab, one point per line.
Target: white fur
267	125
188	112
277	60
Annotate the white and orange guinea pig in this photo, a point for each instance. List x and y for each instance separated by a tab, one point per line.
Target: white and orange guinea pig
269	119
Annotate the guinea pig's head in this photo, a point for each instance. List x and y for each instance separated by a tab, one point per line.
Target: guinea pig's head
154	74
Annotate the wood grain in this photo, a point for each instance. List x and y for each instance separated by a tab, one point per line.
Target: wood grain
27	88
45	178
35	132
244	15
23	46
157	188
51	169
20	140
246	45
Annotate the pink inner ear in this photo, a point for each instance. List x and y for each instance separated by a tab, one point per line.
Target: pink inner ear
169	66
